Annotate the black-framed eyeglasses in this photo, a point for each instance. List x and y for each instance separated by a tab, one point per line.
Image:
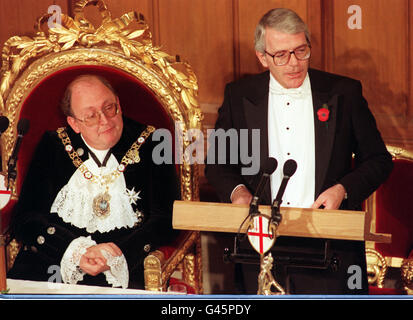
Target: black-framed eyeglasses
281	58
93	119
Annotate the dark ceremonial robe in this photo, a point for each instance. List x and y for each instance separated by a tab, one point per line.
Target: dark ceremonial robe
51	169
351	128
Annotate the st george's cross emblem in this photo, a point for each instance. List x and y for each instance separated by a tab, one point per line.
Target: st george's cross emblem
260	236
5	193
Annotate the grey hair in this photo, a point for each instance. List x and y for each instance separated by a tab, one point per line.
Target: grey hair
65	104
280	19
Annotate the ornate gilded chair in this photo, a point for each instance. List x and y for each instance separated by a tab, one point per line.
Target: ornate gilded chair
390	265
154	88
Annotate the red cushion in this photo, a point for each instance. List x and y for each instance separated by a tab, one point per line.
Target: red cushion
394	209
189	289
178	241
384	291
41	107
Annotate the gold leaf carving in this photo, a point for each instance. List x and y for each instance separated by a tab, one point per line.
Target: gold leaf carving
115	43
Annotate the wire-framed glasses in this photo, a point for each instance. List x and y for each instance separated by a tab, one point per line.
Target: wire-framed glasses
281	58
93	119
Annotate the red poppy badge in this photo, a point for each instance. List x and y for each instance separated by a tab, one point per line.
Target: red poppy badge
323	113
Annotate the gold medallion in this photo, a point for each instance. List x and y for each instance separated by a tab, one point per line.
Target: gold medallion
101	205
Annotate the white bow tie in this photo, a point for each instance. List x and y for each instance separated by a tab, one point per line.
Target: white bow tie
293	92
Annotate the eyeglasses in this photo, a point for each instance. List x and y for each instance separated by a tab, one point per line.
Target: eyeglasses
93	119
281	58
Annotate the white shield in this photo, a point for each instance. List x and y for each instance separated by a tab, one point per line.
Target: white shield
4	193
260	236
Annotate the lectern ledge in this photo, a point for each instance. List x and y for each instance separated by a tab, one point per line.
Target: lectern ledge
296	222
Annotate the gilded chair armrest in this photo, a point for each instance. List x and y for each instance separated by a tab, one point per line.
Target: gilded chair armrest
153	270
160	264
406	270
376	267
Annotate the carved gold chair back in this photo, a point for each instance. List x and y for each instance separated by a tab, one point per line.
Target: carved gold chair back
154	88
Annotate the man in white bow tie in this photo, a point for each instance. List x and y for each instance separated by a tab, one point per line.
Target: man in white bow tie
316	118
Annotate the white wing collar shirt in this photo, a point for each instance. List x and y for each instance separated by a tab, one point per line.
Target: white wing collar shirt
291	136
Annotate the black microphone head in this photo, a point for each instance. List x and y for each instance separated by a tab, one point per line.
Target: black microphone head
290	166
270	165
4	124
23	126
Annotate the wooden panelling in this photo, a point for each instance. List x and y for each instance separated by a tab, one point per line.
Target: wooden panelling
315	22
377	53
217	38
18	17
202	33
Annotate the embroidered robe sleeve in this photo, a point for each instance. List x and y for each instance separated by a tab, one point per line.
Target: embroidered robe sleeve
32	223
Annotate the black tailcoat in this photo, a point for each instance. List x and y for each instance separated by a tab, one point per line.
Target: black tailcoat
350	129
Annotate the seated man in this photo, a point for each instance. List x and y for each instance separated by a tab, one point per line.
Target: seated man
93	203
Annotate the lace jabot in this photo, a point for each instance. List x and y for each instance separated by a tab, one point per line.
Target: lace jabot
74	202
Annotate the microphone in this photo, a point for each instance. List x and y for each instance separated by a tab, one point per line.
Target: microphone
22	128
4	124
290	166
269	167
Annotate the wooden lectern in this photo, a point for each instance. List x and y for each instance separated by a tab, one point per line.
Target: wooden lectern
296	222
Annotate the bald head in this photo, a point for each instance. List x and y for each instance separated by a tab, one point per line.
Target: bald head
79	81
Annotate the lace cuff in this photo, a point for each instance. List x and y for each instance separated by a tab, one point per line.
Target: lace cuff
118	275
69	265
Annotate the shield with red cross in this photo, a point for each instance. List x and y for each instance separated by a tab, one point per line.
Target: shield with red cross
259	235
5	194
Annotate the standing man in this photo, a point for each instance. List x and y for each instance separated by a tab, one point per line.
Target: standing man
318	119
93	203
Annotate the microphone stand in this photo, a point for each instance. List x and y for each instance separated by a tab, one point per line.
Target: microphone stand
276	216
290	166
270	166
266	280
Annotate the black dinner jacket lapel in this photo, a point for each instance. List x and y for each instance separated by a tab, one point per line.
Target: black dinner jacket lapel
324	132
255	105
